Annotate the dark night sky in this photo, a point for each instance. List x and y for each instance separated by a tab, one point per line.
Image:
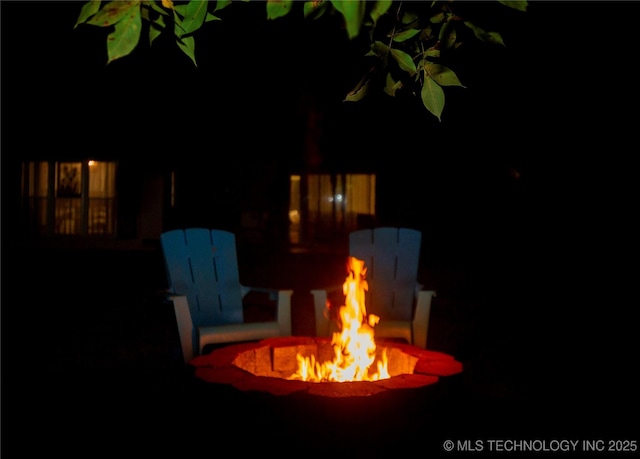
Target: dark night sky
519	101
533	106
61	83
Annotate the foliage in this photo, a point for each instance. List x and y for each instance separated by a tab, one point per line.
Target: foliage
409	41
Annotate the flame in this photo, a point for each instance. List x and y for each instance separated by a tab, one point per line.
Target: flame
354	345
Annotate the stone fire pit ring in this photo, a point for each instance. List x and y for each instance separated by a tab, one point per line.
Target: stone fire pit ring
265	366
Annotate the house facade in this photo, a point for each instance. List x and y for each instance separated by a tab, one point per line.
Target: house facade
115	202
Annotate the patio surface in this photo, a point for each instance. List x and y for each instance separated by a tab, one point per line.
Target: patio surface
95	353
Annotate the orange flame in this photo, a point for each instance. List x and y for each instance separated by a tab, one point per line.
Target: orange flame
354	346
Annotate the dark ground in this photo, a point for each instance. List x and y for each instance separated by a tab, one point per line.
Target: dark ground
91	365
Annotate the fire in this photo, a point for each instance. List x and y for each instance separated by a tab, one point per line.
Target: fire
354	345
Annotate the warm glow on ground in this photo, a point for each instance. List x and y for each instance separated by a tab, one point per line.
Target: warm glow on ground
354	345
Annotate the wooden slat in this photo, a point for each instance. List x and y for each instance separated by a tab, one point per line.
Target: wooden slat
391	256
202	264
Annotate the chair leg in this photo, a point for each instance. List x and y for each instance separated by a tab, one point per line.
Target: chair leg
284	311
321	313
185	327
421	318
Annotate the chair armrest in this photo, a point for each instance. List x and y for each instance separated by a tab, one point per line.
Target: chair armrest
272	292
282	298
284	311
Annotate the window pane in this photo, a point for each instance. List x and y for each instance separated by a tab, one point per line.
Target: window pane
38	178
334	204
69	179
37	181
68	208
102	184
360	198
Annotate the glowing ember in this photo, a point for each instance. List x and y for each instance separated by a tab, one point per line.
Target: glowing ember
354	346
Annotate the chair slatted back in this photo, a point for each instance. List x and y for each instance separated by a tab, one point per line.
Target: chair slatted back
391	257
202	264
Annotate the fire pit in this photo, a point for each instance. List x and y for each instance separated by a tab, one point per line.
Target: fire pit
350	364
267	366
245	390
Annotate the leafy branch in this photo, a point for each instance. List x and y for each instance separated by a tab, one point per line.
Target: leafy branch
410	42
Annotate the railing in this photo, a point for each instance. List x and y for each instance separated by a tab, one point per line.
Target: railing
101	216
68	212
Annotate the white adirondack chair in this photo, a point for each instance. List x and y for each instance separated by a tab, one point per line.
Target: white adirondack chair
391	256
204	286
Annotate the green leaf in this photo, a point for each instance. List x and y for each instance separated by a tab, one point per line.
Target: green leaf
379	48
438	18
359	92
211	17
483	35
444	30
278	8
353	13
88	10
194	13
188	46
314	9
494	38
432	96
404	61
379	9
221	4
113	12
157	8
447	35
405	35
157	26
409	17
392	86
520	5
125	36
442	75
432	52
